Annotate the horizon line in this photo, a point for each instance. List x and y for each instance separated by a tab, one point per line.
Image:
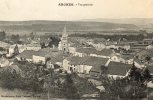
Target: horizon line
75	19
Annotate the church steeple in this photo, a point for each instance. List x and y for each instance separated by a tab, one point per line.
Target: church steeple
65	41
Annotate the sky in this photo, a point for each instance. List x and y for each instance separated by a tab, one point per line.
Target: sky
18	10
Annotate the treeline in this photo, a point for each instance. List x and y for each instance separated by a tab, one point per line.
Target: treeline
114	37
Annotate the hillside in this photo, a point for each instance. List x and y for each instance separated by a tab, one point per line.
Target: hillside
57	26
140	22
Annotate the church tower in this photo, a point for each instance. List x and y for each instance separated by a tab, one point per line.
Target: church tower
64	41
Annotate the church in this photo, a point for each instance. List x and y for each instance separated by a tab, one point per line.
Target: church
63	44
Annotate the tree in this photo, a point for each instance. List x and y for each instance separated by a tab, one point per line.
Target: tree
15	38
42	45
146	74
148	58
68	89
54	41
124	89
32	35
132	71
16	50
2	35
139	75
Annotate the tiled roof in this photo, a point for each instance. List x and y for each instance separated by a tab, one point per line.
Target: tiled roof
48	52
56	58
104	52
27	54
139	61
96	62
4	45
127	57
117	68
33	45
75	60
148	52
86	50
19	46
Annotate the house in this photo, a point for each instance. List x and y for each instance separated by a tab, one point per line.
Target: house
145	53
128	59
123	46
72	50
104	53
149	47
45	54
82	52
111	47
117	69
39	59
85	65
98	66
147	41
98	43
90	41
139	63
99	46
4	45
138	47
26	55
4	62
14	48
115	58
33	46
55	60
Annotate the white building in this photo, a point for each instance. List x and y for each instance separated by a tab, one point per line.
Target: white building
20	48
84	64
37	59
34	47
4	62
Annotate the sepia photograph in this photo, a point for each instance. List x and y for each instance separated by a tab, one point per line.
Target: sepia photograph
76	49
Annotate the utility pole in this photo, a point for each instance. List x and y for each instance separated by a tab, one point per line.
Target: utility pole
48	95
147	94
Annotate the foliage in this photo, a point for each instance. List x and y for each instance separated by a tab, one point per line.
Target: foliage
15	38
114	37
124	88
69	89
2	35
139	75
42	45
54	41
13	80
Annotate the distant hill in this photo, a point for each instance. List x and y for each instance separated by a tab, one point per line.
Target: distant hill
140	22
57	26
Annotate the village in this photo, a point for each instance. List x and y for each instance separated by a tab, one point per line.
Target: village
87	58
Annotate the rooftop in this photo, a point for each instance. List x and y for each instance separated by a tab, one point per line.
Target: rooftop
147	52
104	52
96	62
48	52
117	68
27	54
4	61
4	45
